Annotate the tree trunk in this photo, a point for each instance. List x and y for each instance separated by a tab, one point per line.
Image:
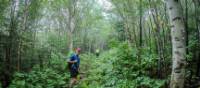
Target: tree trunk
186	26
178	44
11	44
140	34
24	24
71	22
197	16
158	38
70	41
141	31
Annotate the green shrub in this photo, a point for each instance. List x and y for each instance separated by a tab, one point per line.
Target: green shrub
52	75
120	68
46	78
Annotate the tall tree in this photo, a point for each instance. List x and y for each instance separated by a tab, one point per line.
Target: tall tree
178	43
11	43
197	17
71	21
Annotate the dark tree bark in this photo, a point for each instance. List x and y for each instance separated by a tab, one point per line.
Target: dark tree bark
141	31
10	47
197	17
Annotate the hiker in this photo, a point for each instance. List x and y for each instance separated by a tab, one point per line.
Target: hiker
74	67
97	52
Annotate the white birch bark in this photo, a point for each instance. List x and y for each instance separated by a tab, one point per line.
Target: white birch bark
178	43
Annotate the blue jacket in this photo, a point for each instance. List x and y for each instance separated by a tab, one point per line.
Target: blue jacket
75	57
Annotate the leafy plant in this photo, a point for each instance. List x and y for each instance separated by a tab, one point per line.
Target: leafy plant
52	75
119	68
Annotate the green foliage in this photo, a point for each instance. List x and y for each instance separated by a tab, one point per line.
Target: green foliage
53	75
113	43
120	68
41	42
46	78
3	5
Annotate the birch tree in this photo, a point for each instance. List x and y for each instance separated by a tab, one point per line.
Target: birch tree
71	21
178	43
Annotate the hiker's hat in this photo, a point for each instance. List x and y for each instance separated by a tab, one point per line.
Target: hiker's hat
78	49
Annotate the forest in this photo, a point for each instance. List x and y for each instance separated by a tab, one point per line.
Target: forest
123	43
